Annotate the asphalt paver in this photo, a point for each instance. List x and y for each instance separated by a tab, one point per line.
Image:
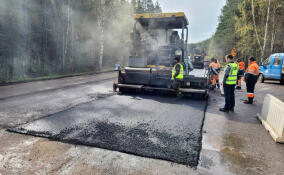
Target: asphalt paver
154	126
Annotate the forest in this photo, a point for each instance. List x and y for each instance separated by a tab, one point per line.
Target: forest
253	27
43	38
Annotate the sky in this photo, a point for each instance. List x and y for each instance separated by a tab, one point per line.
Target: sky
203	15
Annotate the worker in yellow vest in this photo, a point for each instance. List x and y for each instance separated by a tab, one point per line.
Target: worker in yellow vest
229	83
177	74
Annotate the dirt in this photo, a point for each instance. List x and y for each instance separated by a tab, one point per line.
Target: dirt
26	155
45	151
83	169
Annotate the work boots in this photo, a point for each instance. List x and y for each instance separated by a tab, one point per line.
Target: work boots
249	101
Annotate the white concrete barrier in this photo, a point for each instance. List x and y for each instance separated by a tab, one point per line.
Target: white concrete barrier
272	117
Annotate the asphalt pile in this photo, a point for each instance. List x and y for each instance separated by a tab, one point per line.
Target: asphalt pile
164	128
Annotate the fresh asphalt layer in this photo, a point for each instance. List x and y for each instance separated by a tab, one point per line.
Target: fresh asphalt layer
154	126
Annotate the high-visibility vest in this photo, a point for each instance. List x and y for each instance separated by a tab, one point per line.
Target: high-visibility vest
233	75
253	68
218	65
213	65
180	75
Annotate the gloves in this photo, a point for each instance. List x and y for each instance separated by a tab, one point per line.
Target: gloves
172	79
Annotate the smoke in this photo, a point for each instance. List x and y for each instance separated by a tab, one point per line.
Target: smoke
43	38
154	37
215	49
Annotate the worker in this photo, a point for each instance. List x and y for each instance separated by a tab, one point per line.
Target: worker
229	83
241	72
174	38
218	69
214	74
177	74
251	77
212	81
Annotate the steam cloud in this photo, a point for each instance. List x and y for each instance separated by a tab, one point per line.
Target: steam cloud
50	37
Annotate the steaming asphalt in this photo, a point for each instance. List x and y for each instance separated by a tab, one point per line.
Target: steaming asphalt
148	125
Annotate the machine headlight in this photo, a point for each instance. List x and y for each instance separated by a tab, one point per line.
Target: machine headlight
187	83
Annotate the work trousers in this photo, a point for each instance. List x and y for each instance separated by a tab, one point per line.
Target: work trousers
177	84
216	77
214	80
250	88
229	93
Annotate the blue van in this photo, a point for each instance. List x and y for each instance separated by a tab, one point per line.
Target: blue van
272	68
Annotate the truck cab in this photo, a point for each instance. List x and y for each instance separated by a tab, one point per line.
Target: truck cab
272	68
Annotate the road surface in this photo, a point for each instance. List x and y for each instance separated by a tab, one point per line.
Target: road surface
152	126
233	143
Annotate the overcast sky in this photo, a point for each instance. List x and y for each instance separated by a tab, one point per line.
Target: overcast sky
202	15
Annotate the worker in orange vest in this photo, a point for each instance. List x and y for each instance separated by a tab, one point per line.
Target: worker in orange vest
251	77
241	72
214	68
218	69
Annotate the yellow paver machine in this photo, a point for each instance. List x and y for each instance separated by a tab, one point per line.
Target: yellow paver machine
157	39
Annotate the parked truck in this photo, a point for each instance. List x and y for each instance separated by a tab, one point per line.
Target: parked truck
157	39
272	68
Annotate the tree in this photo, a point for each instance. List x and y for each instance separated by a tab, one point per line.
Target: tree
149	6
157	8
43	38
254	27
225	38
261	46
140	8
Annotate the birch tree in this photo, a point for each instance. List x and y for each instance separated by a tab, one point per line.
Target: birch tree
261	46
275	26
